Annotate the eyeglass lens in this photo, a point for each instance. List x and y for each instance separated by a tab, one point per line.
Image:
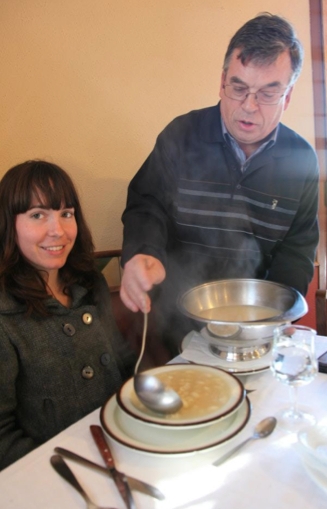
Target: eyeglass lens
263	96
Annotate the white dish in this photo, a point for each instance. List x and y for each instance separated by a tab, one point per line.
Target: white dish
223	331
238	367
313	442
312	447
173	436
316	474
166	463
227	398
188	441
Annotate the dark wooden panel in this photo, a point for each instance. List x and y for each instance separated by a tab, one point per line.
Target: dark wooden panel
310	319
321	312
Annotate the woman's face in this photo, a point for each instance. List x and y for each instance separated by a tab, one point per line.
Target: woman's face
45	236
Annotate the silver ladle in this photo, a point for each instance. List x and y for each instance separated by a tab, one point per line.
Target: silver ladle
150	390
263	429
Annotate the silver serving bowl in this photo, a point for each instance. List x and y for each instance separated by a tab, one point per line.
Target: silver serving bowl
234	339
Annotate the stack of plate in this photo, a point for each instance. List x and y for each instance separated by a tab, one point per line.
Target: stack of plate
215	410
201	347
312	446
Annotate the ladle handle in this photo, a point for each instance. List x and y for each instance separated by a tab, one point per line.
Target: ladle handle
145	327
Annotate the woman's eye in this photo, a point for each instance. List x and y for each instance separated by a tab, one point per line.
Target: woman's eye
68	213
37	215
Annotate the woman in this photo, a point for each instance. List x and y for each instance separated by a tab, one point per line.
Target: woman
61	355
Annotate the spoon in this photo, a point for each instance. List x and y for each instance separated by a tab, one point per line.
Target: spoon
63	469
150	390
262	430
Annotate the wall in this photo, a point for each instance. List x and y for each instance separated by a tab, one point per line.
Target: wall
88	84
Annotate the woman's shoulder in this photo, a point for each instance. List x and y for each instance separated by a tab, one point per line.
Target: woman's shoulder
99	291
101	288
10	305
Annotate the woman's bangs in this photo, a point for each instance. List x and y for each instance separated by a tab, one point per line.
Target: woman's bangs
39	183
53	195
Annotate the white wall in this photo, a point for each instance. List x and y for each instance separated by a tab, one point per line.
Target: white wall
89	84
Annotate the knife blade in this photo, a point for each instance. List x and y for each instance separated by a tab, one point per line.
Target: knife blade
119	478
135	484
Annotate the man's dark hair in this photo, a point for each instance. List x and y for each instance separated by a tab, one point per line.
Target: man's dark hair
262	39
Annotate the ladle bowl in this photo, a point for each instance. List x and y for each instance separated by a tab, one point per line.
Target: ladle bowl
150	390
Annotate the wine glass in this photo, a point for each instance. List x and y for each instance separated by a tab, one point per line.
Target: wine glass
294	364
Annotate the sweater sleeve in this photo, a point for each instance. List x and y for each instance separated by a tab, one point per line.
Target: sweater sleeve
146	219
293	260
13	443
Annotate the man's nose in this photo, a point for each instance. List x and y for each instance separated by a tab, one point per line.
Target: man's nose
250	103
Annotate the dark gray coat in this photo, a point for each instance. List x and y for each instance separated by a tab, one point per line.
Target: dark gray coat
55	370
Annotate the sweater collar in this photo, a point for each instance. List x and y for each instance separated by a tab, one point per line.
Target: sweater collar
210	131
9	305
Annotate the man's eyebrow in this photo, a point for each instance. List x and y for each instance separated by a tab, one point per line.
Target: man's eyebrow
235	79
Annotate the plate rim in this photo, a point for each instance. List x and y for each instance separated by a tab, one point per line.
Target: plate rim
233	370
145	449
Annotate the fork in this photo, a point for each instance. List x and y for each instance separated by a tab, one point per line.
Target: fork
64	471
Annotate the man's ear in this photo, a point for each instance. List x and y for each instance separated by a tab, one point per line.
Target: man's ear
288	98
222	83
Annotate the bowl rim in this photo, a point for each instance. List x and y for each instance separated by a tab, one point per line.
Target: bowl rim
196	422
298	309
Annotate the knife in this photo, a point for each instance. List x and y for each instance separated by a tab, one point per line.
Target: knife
119	478
136	484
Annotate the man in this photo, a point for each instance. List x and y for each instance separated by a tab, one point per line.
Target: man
228	191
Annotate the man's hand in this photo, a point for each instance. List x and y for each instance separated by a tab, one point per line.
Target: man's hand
140	274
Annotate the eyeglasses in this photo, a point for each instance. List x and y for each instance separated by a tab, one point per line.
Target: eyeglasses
262	96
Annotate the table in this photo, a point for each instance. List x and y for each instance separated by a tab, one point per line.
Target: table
266	473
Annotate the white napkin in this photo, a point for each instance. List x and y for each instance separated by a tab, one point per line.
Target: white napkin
197	350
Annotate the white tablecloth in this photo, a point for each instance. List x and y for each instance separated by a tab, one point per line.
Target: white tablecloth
266	473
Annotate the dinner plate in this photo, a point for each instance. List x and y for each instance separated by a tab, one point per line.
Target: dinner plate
237	367
189	440
224	393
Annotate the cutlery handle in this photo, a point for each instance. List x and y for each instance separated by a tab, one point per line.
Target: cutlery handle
136	484
79	459
119	478
102	445
64	471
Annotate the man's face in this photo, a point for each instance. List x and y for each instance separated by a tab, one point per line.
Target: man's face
247	121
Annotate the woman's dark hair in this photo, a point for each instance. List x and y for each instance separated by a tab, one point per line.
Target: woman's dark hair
262	39
54	189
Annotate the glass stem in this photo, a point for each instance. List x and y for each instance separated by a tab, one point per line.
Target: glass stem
294	399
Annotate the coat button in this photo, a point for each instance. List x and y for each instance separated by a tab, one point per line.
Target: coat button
105	359
69	329
87	318
88	372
